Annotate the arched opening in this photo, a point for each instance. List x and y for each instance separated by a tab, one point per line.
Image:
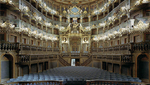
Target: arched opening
6	67
143	67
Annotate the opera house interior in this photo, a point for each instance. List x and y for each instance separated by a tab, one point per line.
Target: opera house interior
74	42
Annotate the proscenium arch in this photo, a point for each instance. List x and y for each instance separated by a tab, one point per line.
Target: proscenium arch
136	63
13	75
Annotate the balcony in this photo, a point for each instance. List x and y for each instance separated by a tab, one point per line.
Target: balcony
141	46
118	59
26	59
119	49
121	53
75	53
8	46
26	49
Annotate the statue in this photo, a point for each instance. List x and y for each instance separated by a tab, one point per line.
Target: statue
75	27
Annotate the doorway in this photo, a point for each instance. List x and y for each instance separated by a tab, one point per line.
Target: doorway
143	67
7	67
75	62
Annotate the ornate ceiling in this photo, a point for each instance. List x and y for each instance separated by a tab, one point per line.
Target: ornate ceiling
74	1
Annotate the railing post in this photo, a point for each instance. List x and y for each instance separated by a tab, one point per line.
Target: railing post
121	59
131	47
61	83
87	83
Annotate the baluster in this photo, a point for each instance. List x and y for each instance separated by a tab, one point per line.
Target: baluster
145	46
12	46
23	58
17	46
3	46
0	46
8	46
142	46
136	46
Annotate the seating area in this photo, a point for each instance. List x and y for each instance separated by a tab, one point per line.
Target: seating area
74	73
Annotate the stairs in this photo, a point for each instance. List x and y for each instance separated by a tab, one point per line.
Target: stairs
62	61
85	63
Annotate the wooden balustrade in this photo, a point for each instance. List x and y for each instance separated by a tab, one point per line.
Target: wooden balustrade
24	58
94	49
26	47
121	58
88	82
114	48
27	58
141	46
49	49
108	82
56	49
54	82
126	58
9	46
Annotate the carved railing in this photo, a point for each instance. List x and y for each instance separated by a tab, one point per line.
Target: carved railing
105	82
27	47
88	82
9	46
141	46
56	49
94	49
33	58
53	82
120	58
65	63
113	49
75	53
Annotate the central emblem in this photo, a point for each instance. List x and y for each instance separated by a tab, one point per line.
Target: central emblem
75	10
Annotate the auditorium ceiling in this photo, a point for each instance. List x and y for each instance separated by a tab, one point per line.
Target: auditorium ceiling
75	1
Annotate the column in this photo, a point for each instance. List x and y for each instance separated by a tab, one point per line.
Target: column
112	67
120	69
29	63
48	64
29	69
81	49
52	46
89	49
43	66
106	66
37	67
68	45
97	46
60	44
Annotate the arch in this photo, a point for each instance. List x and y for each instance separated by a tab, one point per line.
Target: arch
136	64
13	66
